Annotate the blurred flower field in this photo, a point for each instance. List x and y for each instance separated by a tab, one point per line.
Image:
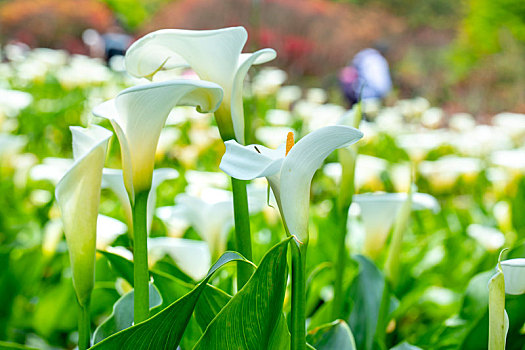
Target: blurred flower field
464	180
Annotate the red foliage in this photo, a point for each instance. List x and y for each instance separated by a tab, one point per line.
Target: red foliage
310	36
52	23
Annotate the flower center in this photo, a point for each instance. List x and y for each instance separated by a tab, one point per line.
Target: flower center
289	142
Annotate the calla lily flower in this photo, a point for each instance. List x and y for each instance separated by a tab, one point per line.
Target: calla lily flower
210	212
184	253
378	212
215	55
490	238
514	272
138	115
51	169
108	229
78	197
113	179
289	170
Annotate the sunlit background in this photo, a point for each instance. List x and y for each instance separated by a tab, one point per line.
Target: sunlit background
453	114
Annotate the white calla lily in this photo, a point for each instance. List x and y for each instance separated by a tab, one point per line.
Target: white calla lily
78	197
488	237
184	253
113	179
51	169
210	212
514	272
378	211
108	229
289	175
138	115
215	55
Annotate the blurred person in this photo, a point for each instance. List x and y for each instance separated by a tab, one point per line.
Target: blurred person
116	42
366	77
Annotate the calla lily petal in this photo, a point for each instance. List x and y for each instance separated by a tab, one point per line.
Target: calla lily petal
138	115
252	161
514	272
298	169
78	197
379	211
237	111
108	229
191	256
213	54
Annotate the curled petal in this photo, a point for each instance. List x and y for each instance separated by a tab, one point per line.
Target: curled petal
299	167
514	272
212	54
138	115
78	197
245	62
250	162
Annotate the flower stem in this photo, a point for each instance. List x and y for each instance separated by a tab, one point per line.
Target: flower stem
382	317
393	258
140	257
340	265
243	237
84	327
347	158
298	331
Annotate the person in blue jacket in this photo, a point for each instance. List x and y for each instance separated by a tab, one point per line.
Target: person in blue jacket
366	77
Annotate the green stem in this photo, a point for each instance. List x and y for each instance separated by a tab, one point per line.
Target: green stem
382	318
347	158
84	327
140	257
298	331
393	258
242	230
340	265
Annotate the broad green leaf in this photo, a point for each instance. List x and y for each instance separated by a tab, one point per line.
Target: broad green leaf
476	296
122	266
210	304
366	292
280	338
170	288
122	315
335	335
249	319
165	329
405	346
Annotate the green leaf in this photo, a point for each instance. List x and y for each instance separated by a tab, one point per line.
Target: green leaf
405	346
280	338
122	315
249	319
170	288
210	303
475	301
366	292
335	335
121	265
165	329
